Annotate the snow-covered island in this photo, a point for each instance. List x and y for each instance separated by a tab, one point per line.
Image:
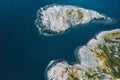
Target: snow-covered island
54	19
98	60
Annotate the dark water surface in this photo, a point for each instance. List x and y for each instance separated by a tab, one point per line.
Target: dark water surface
25	54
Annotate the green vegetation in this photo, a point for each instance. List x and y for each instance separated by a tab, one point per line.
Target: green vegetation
111	64
110	36
72	77
69	13
80	15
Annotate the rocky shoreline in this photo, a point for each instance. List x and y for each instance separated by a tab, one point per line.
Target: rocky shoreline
98	60
55	19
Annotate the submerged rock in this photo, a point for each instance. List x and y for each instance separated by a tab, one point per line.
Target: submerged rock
98	60
56	19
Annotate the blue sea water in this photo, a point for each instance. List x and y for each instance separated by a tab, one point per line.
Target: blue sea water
25	53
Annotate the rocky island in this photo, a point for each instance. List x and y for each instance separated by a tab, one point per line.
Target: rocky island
98	60
54	19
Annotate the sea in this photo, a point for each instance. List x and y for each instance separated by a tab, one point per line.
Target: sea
25	53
